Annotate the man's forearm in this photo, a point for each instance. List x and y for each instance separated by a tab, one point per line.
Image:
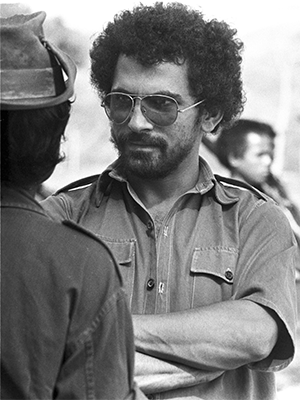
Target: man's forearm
221	336
155	376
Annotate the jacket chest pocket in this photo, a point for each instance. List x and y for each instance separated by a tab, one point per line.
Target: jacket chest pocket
124	253
212	275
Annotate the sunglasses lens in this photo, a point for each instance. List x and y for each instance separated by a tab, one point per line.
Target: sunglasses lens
159	109
118	107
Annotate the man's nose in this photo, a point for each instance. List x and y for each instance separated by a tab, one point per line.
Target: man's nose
137	120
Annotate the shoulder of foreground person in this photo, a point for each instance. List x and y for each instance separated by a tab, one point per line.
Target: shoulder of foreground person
56	205
86	240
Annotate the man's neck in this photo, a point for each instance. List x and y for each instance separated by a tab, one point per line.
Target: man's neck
161	194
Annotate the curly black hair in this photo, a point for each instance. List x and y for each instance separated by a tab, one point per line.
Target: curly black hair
175	33
30	143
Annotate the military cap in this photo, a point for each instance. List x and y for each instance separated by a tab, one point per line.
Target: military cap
34	72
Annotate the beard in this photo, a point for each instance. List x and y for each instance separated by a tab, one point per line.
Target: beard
150	165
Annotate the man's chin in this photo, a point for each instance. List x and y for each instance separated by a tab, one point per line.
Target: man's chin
135	166
141	167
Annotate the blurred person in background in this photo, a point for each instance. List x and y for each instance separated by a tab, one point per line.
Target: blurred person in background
247	150
196	253
66	331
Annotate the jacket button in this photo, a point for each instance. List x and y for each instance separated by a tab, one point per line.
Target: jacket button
150	226
229	274
150	284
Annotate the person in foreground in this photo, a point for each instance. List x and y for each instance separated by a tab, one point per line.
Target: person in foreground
208	266
247	150
66	329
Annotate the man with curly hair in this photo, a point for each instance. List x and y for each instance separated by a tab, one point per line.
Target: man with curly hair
207	264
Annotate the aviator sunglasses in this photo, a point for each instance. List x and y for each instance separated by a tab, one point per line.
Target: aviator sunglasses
159	109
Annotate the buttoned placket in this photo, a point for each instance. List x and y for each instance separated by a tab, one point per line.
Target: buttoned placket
156	294
150	292
164	258
163	246
163	243
160	267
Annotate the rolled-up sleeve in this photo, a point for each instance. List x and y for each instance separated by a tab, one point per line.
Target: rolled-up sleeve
266	275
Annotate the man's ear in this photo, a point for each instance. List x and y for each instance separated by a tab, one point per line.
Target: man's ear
210	121
233	161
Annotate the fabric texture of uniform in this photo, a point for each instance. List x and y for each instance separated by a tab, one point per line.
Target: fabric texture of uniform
220	241
66	329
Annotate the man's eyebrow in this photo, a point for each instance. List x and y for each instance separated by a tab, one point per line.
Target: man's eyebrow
176	96
119	90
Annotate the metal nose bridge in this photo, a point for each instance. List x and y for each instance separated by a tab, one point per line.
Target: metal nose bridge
136	97
140	98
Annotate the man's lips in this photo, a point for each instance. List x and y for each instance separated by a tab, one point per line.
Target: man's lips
142	147
145	142
141	144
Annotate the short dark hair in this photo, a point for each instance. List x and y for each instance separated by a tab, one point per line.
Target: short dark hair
30	143
234	140
175	33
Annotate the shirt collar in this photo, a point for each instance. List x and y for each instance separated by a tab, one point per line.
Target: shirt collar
14	197
206	182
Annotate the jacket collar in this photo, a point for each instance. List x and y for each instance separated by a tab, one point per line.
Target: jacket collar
206	182
14	197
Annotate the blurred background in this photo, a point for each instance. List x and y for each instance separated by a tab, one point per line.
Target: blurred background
270	30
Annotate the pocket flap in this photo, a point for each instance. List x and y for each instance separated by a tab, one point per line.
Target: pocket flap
123	250
218	261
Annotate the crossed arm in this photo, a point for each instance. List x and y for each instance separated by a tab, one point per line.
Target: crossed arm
154	375
198	345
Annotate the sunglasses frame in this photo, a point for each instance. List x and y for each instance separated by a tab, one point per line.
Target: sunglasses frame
133	98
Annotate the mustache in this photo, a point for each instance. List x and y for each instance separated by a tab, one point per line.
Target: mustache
143	138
